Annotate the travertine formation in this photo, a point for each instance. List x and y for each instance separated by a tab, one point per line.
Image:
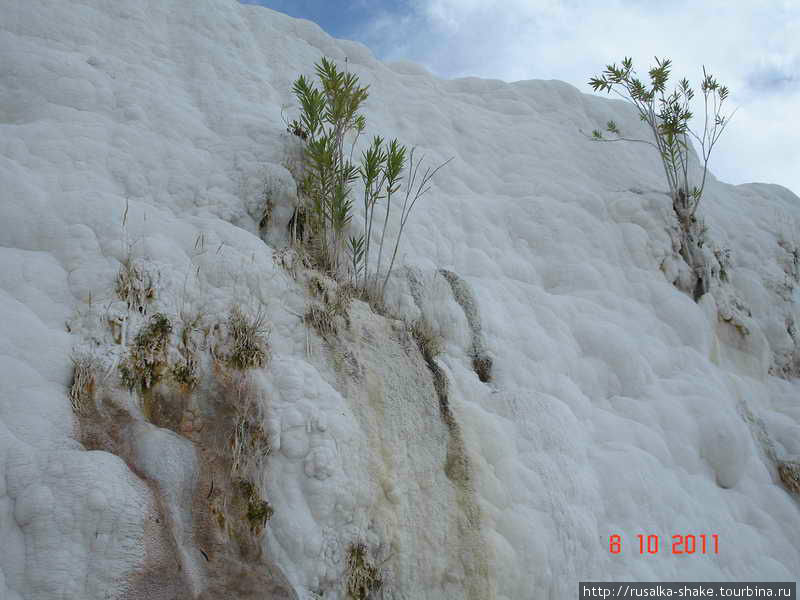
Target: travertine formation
182	416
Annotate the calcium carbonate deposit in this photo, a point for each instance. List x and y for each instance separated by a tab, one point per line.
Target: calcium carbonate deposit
189	410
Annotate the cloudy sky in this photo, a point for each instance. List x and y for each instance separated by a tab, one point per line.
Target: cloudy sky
752	46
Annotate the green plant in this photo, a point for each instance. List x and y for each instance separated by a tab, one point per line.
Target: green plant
356	250
381	171
327	116
258	511
415	189
373	177
668	115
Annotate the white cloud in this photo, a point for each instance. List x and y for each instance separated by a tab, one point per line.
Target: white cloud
752	46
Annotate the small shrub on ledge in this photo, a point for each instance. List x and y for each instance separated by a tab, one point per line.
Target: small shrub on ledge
329	116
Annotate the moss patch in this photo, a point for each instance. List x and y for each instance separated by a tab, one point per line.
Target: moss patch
257	510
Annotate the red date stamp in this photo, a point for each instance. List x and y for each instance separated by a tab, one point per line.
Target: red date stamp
679	544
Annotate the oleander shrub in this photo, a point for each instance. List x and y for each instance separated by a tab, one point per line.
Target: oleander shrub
329	127
668	114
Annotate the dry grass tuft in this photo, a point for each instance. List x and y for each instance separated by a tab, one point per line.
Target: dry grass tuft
789	472
317	287
84	382
340	305
250	347
482	365
292	259
185	374
135	285
249	442
267	196
430	346
147	360
336	298
322	320
429	342
363	576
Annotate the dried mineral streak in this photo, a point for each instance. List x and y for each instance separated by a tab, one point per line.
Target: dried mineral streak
481	361
473	548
